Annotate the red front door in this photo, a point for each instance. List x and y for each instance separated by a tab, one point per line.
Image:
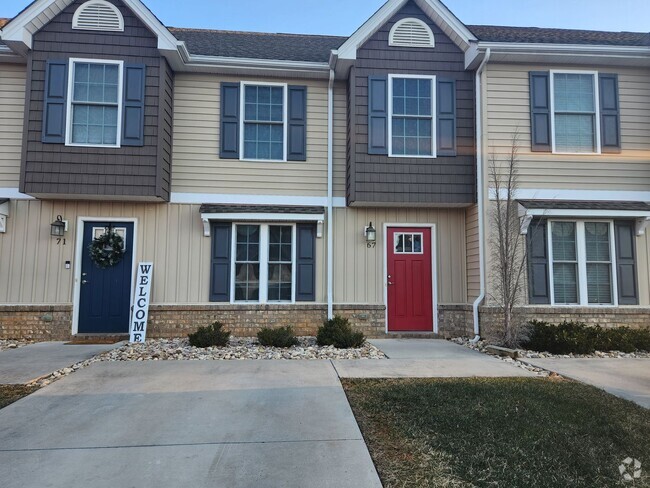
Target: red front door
409	280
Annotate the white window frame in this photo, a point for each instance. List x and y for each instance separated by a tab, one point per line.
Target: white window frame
581	255
120	102
434	129
264	263
597	148
242	121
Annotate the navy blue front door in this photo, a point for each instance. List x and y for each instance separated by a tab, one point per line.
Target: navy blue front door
105	298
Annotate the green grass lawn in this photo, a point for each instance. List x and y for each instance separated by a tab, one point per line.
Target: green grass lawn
499	432
12	393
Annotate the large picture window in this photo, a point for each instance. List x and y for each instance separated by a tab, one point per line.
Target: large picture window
582	263
575	112
264	127
264	263
411	116
95	108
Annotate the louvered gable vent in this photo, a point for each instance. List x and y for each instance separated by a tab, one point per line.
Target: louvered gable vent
98	15
411	33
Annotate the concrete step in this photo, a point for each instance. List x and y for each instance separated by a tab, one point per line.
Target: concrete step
98	338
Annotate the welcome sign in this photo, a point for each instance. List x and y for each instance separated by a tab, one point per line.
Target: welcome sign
140	315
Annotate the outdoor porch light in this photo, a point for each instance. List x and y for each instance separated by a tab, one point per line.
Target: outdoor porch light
58	227
371	233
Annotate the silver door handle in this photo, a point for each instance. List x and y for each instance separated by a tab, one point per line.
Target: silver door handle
83	282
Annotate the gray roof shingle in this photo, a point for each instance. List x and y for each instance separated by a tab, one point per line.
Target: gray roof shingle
494	33
253	209
258	45
585	205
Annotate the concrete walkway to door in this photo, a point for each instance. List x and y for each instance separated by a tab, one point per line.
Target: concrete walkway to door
198	424
27	363
426	358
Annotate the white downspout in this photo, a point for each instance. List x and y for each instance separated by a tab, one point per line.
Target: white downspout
330	190
479	191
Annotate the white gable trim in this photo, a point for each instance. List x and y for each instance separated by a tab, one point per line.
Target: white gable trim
33	18
430	7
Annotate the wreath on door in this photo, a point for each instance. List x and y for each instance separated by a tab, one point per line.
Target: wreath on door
107	250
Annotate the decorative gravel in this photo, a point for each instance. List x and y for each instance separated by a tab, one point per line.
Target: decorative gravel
237	349
13	344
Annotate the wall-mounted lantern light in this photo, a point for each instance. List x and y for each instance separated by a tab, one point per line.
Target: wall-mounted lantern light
370	233
58	227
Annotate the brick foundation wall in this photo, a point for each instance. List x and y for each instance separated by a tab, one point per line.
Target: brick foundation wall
455	321
36	322
246	320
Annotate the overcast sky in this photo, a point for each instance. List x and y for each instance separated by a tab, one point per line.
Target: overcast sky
342	17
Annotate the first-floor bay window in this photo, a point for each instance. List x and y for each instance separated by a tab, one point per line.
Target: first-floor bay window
264	262
581	260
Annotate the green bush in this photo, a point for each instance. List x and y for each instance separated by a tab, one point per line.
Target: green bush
338	332
212	335
578	338
279	337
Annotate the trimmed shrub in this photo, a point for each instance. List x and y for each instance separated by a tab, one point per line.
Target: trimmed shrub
212	335
338	332
578	338
279	337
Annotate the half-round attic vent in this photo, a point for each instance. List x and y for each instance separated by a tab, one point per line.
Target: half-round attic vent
411	33
98	15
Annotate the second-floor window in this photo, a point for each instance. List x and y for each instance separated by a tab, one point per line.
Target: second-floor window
575	112
264	122
411	116
94	103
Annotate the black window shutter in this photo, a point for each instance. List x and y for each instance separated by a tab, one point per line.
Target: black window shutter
220	268
610	125
306	263
133	106
55	102
229	121
538	267
628	293
297	123
377	115
540	111
446	123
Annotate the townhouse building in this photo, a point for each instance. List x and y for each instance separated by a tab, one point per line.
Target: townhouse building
278	179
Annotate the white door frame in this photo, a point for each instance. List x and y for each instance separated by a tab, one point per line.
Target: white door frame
434	270
76	290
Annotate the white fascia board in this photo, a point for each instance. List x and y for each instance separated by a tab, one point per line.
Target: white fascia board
564	194
14	194
589	213
247	199
570	49
256	66
349	48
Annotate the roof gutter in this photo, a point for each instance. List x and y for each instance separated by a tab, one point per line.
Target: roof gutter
266	64
480	194
548	48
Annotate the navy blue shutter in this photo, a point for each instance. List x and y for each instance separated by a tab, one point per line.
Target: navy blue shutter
133	107
220	262
55	102
540	111
628	293
306	263
446	123
229	121
377	115
610	125
538	268
297	123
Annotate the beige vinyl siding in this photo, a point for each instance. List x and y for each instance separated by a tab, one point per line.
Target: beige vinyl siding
197	167
32	264
12	110
340	135
472	246
508	108
359	270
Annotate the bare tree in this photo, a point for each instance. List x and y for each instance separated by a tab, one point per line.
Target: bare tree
508	246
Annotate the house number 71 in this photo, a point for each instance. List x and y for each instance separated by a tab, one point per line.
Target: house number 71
60	241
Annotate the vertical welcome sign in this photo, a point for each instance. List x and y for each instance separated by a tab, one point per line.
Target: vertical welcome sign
140	315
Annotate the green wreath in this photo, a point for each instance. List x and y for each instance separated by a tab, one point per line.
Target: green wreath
107	250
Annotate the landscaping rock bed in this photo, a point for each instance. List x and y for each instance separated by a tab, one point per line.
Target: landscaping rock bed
13	344
237	349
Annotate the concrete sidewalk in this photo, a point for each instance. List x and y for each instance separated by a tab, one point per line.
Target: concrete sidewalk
426	358
187	423
627	378
19	366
